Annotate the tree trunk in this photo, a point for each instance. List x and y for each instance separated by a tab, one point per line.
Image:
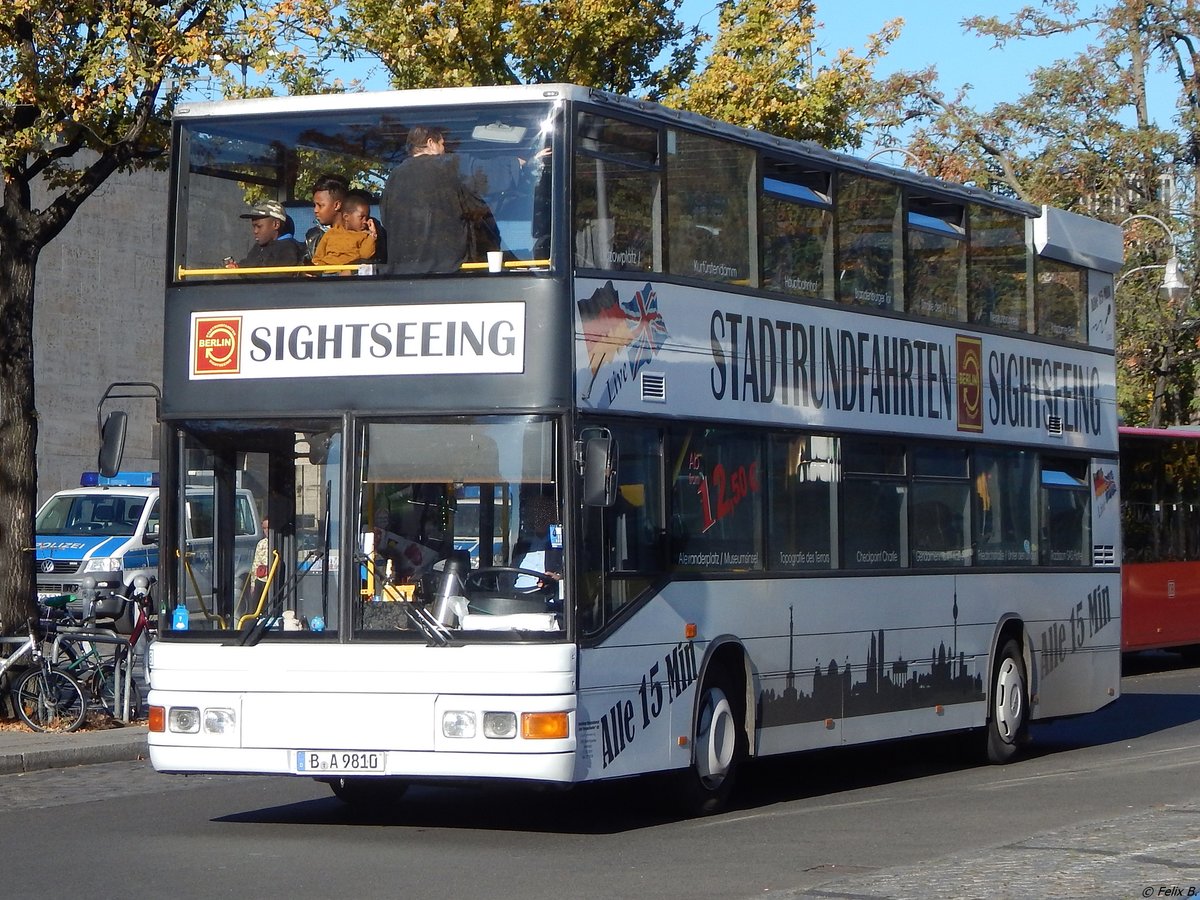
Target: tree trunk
18	437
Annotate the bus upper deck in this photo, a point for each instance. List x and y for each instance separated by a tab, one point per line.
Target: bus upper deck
574	179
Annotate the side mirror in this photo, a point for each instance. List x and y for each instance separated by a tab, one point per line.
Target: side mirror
318	447
600	471
151	535
112	443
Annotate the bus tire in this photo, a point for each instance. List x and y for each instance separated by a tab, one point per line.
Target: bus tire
367	793
718	746
1190	654
1008	722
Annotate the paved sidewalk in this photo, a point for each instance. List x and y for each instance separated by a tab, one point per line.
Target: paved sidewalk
24	751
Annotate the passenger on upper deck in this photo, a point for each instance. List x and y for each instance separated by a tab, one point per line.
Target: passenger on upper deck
352	239
271	246
433	219
328	192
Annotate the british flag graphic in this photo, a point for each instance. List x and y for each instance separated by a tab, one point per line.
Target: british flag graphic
614	328
648	330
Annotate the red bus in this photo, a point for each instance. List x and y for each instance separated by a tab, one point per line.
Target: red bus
1160	514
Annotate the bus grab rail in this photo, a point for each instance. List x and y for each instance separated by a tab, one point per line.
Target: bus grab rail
262	597
222	272
208	616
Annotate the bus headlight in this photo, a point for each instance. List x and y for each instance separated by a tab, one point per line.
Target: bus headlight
219	721
458	723
499	725
183	720
101	564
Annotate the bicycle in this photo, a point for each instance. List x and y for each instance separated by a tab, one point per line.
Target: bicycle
76	647
44	696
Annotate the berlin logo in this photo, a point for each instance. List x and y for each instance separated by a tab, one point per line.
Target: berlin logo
215	346
970	382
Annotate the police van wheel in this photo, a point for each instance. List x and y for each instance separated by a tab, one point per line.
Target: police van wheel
1008	722
718	746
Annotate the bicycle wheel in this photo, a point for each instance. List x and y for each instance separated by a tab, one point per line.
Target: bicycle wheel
48	699
104	688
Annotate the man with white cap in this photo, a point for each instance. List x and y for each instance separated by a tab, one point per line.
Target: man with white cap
271	247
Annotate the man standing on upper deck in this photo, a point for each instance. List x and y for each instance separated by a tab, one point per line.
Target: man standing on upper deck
429	213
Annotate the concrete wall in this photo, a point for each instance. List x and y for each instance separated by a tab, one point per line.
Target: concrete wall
98	318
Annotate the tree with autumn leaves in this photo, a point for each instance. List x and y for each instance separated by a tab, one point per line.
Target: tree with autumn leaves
764	69
86	90
1082	137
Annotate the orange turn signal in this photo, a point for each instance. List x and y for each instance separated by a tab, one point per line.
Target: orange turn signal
158	718
545	726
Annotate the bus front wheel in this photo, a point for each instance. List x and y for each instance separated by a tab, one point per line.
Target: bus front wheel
717	748
367	793
1008	725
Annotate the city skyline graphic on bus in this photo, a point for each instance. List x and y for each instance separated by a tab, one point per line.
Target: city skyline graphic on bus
884	687
611	326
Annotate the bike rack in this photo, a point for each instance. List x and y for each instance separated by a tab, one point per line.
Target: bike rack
122	659
9	645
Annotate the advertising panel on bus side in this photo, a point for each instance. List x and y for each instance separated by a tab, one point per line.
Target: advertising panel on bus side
718	355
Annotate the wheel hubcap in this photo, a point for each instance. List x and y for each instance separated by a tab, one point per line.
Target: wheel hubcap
1009	700
716	738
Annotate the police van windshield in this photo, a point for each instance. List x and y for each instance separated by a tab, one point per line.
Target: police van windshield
80	515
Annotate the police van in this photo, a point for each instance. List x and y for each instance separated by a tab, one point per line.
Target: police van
108	529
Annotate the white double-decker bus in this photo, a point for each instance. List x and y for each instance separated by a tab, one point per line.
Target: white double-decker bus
779	450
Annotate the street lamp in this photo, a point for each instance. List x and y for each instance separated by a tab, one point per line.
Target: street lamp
1173	286
912	157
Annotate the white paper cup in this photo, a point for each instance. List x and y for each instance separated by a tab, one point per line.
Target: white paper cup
495	260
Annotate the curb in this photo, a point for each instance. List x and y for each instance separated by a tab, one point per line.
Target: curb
39	752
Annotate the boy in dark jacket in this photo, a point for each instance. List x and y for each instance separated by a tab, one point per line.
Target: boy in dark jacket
271	246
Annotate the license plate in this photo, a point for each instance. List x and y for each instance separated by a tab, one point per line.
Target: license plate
337	762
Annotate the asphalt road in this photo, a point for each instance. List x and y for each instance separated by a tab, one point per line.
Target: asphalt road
1104	806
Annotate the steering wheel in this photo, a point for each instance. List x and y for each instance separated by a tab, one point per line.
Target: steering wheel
477	579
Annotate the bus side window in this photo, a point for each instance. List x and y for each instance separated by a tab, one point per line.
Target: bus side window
710	208
1066	513
617	178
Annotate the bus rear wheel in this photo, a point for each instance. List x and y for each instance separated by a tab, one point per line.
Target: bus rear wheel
1008	724
718	746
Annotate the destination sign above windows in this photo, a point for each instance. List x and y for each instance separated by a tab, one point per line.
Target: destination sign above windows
442	339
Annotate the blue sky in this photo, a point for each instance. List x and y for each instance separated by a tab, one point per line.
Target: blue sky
932	35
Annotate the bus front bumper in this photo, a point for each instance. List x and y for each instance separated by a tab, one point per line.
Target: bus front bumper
419	736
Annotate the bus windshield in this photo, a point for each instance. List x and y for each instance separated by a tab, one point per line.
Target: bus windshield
424	492
233	166
428	493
